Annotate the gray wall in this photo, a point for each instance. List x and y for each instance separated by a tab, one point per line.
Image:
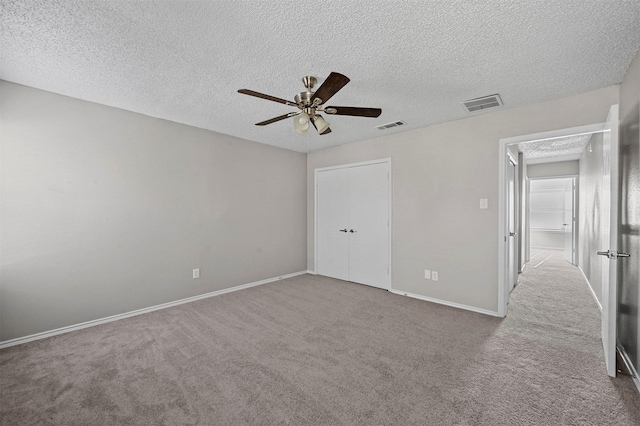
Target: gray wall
590	190
559	168
105	211
629	269
439	175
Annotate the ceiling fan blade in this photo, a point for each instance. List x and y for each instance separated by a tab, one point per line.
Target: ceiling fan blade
355	111
267	97
330	87
278	118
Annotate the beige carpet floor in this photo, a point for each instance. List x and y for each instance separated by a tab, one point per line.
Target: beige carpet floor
317	351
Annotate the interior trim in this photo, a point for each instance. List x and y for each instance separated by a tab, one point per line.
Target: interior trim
447	303
593	293
629	365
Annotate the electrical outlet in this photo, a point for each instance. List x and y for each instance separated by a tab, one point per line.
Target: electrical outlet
196	273
434	275
484	203
427	274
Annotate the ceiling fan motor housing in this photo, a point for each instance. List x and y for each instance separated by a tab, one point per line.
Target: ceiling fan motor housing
303	99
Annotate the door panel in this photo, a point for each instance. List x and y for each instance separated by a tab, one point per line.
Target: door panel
369	225
568	220
512	226
609	238
333	216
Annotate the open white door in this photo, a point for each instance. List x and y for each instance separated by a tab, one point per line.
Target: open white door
609	238
568	219
512	242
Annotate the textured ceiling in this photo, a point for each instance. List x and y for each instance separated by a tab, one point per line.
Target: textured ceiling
417	60
558	149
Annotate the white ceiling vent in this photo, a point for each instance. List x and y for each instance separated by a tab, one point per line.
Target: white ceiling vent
389	125
480	104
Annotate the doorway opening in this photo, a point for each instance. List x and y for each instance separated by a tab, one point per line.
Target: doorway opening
595	200
553	154
553	216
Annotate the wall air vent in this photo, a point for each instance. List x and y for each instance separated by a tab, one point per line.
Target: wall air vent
390	125
480	104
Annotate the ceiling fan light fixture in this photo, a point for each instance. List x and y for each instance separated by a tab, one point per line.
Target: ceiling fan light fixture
301	123
319	123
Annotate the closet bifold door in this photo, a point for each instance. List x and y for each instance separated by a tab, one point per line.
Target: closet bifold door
333	223
369	221
353	224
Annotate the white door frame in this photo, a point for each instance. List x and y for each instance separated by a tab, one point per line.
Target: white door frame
503	297
512	160
576	212
574	223
315	209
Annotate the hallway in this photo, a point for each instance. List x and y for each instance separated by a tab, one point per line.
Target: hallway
553	310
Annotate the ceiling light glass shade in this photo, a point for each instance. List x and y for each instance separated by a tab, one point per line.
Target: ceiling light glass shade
319	123
301	123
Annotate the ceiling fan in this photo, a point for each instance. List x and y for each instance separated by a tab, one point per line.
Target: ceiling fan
311	103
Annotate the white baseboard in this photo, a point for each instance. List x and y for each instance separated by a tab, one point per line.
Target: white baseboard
70	328
629	365
447	303
310	272
593	293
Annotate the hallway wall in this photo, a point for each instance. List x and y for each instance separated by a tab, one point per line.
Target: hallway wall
554	169
590	195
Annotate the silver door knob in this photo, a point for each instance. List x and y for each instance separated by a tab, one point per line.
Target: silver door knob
512	234
352	231
613	254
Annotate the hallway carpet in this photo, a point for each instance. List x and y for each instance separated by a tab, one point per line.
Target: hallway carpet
317	351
